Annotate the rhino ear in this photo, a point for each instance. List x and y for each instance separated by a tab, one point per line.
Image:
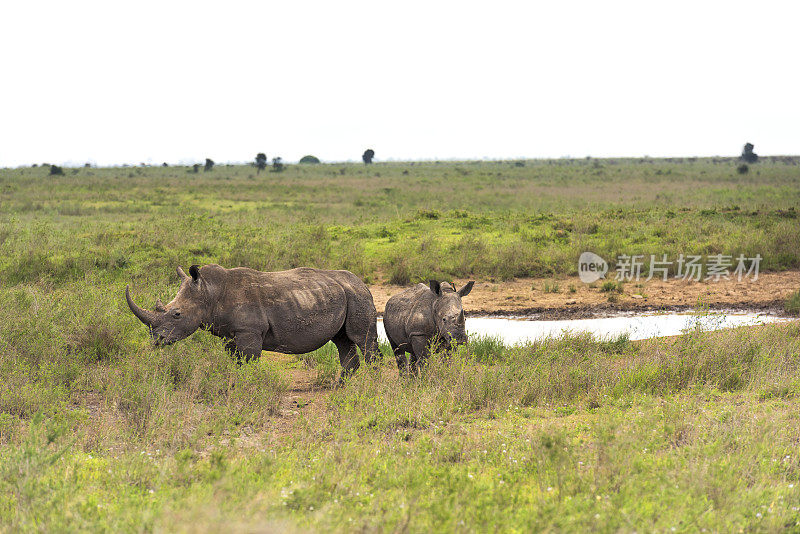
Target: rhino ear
435	287
194	270
464	291
160	306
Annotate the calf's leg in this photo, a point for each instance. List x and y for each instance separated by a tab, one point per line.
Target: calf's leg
419	348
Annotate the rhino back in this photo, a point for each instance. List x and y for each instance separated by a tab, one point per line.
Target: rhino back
297	310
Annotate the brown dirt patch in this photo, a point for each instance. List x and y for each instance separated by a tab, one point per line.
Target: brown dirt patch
527	296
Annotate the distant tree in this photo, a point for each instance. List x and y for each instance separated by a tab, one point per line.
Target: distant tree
209	165
277	165
748	155
56	170
34	165
164	164
367	156
196	168
261	162
309	159
87	165
743	168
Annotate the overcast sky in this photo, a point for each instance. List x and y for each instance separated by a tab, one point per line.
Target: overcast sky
129	82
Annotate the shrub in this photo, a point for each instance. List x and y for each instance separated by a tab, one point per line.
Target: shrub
400	270
551	287
325	360
748	155
261	161
255	392
424	213
611	285
96	342
792	304
309	160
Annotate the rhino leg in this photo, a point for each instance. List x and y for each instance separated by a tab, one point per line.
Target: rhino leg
245	344
361	328
230	347
420	349
369	347
400	356
348	354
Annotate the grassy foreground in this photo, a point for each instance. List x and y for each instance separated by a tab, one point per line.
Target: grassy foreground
99	431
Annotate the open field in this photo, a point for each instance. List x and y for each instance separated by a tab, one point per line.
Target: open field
100	431
695	432
488	220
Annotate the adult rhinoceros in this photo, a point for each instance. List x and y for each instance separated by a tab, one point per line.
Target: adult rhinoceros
292	312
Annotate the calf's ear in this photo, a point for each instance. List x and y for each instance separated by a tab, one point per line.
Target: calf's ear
464	291
194	271
435	287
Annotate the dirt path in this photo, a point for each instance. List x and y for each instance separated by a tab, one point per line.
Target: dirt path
568	297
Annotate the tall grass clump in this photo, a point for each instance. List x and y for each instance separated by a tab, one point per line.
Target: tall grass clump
571	369
792	304
487	349
325	360
254	393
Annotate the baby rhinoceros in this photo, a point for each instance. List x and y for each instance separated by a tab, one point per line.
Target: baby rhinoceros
424	315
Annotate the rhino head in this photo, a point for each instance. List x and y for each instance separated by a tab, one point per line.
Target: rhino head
448	313
182	316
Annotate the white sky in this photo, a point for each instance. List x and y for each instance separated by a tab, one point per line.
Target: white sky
124	82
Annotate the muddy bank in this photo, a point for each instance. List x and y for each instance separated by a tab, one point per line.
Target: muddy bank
611	310
568	297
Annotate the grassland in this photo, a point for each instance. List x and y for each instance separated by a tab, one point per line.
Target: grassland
392	222
100	431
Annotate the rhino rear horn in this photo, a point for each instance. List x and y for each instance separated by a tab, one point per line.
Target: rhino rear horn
146	316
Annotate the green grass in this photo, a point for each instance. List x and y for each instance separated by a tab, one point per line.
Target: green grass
100	431
792	305
490	219
568	433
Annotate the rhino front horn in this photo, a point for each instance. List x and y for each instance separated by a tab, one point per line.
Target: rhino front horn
147	317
